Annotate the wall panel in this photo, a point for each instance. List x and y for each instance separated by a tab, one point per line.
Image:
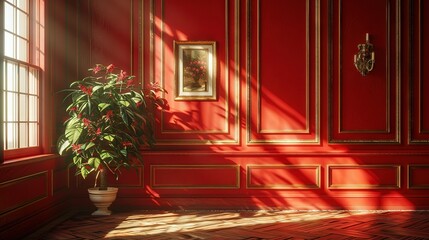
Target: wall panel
365	109
419	109
126	179
283	176
195	176
283	76
196	122
27	190
364	177
417	176
111	33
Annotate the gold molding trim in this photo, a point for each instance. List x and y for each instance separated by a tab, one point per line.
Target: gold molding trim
329	184
226	129
169	186
316	139
28	202
411	127
410	168
283	186
140	184
151	41
141	44
388	84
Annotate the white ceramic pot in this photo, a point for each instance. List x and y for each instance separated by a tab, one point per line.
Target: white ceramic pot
102	199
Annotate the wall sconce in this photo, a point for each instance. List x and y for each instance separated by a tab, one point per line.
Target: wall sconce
365	58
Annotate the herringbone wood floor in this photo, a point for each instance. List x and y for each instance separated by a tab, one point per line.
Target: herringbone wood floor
246	225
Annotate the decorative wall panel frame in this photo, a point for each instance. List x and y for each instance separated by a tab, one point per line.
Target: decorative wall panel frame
26	202
396	168
317	177
131	27
156	185
291	137
139	170
416	106
397	80
410	175
234	101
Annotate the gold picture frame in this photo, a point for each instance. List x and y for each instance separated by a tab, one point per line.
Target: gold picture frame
195	70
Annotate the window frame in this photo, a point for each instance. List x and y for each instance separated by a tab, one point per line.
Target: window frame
1	74
26	152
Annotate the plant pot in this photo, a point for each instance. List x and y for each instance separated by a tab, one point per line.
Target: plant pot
102	199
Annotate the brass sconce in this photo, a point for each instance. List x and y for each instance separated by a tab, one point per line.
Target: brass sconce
365	58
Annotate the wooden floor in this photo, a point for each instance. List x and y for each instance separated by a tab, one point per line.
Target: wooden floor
246	225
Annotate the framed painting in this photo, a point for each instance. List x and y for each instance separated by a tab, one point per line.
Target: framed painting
195	70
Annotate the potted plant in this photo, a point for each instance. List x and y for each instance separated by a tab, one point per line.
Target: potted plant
110	118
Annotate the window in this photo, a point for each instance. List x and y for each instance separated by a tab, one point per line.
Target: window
22	75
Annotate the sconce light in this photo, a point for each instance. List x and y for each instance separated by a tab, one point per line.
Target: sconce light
365	58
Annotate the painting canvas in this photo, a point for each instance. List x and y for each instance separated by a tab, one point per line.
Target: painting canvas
195	70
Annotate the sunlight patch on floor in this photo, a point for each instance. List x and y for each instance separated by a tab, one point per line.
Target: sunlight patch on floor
152	224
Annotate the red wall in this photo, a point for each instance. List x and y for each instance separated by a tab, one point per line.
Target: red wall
294	125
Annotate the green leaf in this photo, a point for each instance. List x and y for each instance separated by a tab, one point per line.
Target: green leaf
124	152
73	130
89	105
106	155
94	89
82	107
77	160
84	172
78	97
124	103
97	162
63	145
103	106
89	145
94	162
109	137
124	117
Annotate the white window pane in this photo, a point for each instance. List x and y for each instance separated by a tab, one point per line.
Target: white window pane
4	107
22	24
23	135
23	5
23	107
12	136
12	1
11	77
33	84
22	50
23	79
9	17
9	45
12	105
33	134
33	110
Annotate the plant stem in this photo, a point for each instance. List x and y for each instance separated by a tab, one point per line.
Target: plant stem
103	180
